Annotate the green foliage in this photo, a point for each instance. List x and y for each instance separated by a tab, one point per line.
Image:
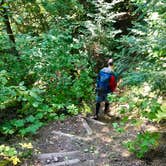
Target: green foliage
100	27
12	155
144	47
55	74
23	126
143	143
118	127
72	109
135	106
63	7
142	101
9	155
4	44
161	115
32	111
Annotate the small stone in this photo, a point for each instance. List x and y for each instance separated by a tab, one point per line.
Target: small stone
86	150
55	159
48	161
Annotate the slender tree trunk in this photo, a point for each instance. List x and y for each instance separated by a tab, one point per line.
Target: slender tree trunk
8	28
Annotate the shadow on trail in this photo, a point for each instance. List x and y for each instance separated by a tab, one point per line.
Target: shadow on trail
109	119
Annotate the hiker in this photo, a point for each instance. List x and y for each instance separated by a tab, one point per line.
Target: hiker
106	83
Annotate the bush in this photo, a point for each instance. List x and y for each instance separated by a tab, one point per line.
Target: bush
143	143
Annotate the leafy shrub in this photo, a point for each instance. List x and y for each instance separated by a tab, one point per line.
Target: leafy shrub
118	127
143	143
135	106
72	109
161	114
9	155
31	112
55	74
13	155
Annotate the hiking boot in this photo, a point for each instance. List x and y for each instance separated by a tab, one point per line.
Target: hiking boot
96	117
106	112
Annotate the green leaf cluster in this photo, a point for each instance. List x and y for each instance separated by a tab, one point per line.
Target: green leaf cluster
9	155
143	143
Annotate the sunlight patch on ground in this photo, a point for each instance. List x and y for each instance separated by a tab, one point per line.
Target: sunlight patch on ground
105	129
151	128
126	153
103	155
106	139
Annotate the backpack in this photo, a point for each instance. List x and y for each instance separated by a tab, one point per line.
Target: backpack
106	81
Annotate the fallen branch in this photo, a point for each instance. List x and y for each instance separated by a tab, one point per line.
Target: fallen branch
53	155
86	126
95	121
63	163
70	135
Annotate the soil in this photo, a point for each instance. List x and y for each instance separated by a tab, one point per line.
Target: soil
104	147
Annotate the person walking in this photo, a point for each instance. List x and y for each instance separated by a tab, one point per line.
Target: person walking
106	83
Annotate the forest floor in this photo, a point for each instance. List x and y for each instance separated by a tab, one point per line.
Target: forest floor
81	141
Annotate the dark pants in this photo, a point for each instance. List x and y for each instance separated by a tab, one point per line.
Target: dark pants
99	99
98	108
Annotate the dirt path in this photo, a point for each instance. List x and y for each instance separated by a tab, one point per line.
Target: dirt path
81	141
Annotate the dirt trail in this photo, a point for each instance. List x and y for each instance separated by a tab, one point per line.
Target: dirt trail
79	141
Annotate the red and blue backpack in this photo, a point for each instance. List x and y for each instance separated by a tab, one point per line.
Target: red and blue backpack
106	81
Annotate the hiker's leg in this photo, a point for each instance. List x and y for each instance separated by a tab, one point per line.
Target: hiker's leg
97	110
106	109
99	99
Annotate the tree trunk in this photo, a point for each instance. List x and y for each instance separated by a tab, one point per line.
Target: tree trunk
8	28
